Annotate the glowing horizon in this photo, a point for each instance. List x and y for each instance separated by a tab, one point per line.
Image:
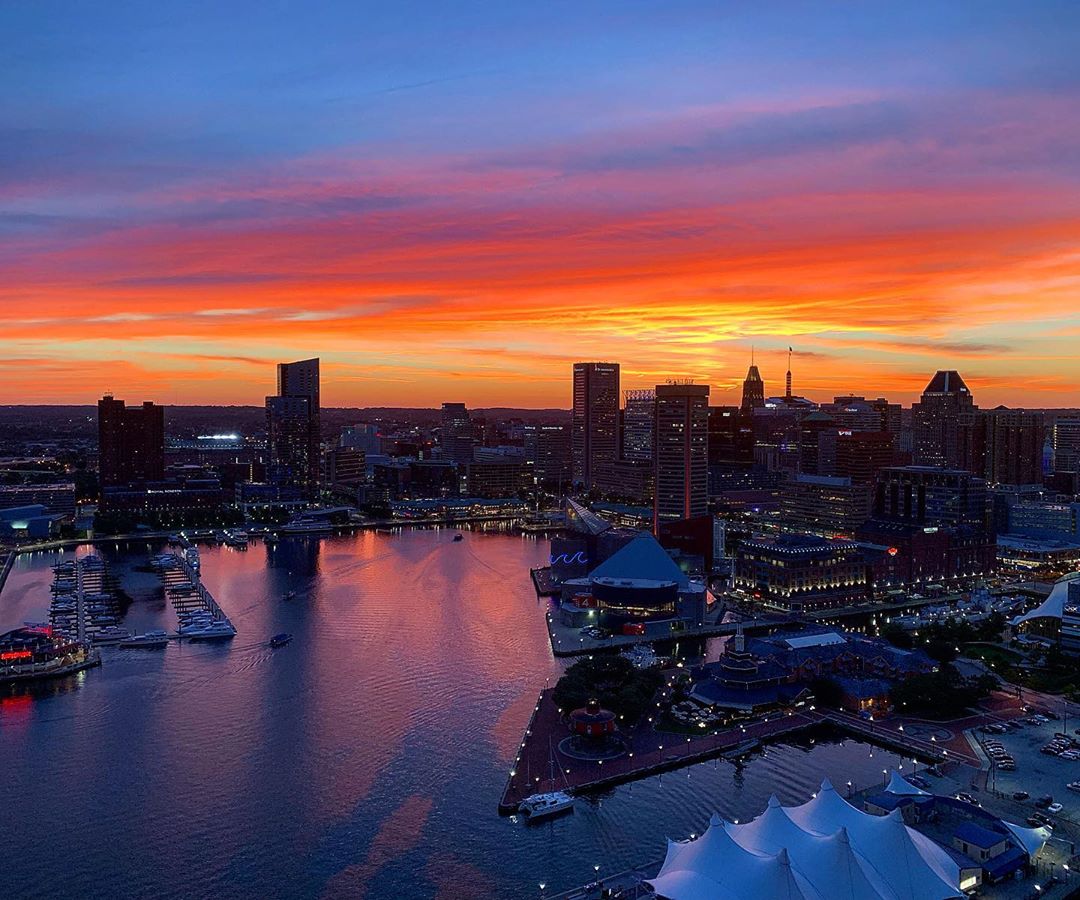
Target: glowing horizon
460	207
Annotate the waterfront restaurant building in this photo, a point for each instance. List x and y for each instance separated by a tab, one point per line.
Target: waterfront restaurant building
802	572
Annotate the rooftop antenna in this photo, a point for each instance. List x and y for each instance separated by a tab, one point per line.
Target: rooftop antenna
788	373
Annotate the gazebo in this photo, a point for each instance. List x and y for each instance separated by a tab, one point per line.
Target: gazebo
592	721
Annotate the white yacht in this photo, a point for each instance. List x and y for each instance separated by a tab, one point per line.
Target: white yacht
306	526
152	640
217	630
111	634
540	806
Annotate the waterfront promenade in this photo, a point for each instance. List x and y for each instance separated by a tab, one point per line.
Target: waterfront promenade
649	752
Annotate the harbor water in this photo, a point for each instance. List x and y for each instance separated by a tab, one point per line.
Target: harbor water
364	759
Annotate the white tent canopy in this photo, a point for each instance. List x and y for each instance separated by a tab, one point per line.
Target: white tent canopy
1031	839
900	786
1054	605
825	848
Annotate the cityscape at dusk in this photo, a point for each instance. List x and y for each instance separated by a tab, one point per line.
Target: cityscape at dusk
580	451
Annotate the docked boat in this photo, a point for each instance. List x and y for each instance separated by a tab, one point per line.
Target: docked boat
542	806
111	634
217	630
152	640
306	526
280	640
238	540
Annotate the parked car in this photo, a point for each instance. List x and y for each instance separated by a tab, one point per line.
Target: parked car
1054	808
1044	801
1020	795
965	797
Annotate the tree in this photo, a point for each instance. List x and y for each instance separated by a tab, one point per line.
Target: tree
942	694
613	681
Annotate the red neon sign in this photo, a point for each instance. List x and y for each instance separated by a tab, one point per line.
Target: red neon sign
16	654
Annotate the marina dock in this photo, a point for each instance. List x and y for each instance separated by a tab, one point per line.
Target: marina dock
184	588
84	606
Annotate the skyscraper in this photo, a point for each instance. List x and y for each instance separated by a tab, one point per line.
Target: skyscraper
293	429
753	390
456	437
639	421
131	442
595	427
547	452
1065	440
935	420
681	454
1004	446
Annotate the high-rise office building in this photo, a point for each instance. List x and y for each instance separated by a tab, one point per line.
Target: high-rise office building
1004	446
293	429
639	423
547	453
595	426
817	436
854	413
131	442
457	437
753	390
935	420
361	437
928	496
1065	441
681	454
860	455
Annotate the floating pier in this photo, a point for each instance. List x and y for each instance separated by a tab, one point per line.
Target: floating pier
83	605
184	588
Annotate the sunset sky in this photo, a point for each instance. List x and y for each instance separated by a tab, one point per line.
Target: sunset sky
456	200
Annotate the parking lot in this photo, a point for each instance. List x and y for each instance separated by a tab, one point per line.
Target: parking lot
1036	772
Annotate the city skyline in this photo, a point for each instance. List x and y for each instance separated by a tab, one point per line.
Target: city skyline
464	205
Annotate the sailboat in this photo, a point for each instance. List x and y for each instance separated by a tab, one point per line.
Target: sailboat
550	803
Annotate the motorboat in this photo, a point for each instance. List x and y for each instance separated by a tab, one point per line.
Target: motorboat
152	640
111	634
217	630
280	640
306	526
541	806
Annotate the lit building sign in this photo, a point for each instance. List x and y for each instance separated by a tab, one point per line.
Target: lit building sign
9	655
569	559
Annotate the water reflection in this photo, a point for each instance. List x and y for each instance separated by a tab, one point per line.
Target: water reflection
364	759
